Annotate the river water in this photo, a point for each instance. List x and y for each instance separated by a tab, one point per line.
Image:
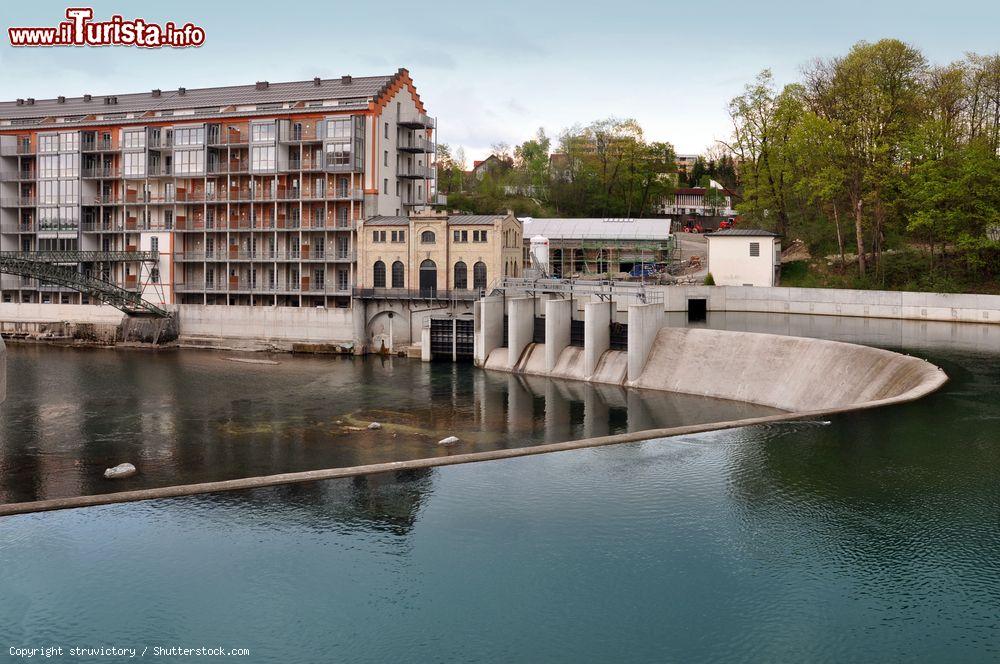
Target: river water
873	537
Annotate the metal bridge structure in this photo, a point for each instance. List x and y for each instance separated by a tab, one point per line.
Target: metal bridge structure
60	268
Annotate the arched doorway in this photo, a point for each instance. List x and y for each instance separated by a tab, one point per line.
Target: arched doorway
428	278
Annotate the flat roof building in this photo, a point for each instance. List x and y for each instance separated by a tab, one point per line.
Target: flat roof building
610	247
249	194
744	257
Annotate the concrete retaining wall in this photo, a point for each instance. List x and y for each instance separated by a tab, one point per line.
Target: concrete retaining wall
838	302
3	371
267	324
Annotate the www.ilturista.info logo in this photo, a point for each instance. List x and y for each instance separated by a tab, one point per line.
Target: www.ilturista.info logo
81	30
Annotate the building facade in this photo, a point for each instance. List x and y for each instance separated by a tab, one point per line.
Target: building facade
250	195
744	257
437	255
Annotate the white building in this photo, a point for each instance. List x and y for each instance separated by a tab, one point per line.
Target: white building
744	257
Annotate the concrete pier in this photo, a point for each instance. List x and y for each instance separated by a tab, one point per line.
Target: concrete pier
558	314
644	320
488	328
3	371
596	335
521	327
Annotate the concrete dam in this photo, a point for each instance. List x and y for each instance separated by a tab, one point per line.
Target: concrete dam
794	374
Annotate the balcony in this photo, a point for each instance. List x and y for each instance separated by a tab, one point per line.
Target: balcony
22	201
416	172
416	145
102	145
416	121
305	164
229	138
292	134
252	287
101	172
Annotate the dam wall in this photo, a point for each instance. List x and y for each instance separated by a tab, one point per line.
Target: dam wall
789	373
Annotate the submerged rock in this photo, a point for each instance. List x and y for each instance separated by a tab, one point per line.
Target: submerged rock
450	440
121	471
374	425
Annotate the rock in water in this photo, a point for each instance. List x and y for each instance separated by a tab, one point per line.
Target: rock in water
450	440
374	425
120	471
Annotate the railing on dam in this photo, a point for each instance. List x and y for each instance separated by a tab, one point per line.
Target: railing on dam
626	292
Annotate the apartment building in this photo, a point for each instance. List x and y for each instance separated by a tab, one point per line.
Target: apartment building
249	195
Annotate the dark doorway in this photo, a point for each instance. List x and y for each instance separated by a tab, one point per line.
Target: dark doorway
428	279
697	310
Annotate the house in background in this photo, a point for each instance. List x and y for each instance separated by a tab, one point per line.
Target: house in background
744	257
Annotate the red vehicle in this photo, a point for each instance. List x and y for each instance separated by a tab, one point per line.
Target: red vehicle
726	223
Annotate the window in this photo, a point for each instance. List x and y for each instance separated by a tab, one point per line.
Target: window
69	142
189	136
338	154
154	244
69	165
262	158
134	139
479	275
340	128
399	236
479	236
48	143
461	276
461	236
397	275
378	236
378	275
48	166
755	248
427	237
189	161
48	192
387	130
134	163
261	133
385	158
385	185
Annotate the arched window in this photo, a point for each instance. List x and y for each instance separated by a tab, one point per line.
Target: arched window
427	237
479	275
378	275
397	275
461	276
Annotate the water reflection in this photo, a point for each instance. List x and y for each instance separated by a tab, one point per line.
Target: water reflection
194	416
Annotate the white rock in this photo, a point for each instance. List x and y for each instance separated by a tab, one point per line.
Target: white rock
374	425
450	440
120	471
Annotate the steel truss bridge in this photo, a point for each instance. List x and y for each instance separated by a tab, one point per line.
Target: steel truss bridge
60	268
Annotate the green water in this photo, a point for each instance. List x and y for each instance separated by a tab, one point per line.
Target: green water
874	537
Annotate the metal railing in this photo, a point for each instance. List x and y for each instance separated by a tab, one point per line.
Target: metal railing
416	171
606	290
417	294
416	121
251	287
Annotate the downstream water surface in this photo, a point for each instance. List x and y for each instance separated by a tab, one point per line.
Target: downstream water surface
873	537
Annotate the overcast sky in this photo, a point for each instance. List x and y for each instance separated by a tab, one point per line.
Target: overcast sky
496	73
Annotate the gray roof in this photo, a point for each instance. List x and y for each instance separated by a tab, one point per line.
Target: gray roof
598	229
387	221
743	232
335	88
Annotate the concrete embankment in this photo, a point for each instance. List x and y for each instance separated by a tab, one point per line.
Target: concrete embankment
790	373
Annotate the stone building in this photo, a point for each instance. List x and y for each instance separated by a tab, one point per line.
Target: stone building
437	255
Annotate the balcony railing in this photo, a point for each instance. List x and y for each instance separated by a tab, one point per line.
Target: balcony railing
416	171
101	145
102	172
231	137
416	121
249	286
293	134
305	164
21	201
416	144
416	294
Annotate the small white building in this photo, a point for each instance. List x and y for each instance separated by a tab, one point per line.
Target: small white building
744	257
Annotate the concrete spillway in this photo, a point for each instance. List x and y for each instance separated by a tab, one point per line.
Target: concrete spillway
790	373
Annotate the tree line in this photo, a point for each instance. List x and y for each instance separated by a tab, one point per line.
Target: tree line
876	152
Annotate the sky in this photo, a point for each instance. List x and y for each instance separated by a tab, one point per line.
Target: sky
495	72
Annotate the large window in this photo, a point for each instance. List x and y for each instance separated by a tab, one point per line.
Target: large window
479	275
378	275
338	154
48	192
339	128
189	136
69	191
48	143
261	133
262	158
397	275
48	166
69	142
427	237
69	165
189	161
134	164
461	276
134	139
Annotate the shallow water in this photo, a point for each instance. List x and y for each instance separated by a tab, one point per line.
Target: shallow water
195	416
874	537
